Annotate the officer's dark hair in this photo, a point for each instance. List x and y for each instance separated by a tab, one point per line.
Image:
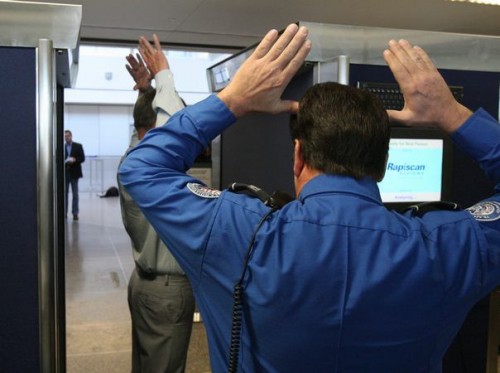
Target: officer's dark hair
144	115
343	130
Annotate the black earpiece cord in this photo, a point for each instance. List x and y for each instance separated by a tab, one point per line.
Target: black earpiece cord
276	201
236	324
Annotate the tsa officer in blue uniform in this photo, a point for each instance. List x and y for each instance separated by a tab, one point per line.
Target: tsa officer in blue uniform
332	281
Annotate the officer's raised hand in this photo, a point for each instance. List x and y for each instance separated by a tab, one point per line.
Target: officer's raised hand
428	100
260	81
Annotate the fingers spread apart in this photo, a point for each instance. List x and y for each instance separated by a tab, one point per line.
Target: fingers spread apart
283	48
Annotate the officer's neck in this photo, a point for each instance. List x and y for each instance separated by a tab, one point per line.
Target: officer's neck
306	175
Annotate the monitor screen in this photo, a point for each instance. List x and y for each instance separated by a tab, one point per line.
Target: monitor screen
418	168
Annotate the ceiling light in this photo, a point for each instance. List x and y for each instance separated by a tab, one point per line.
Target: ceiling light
488	2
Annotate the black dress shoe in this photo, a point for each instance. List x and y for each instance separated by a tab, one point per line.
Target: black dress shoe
75	217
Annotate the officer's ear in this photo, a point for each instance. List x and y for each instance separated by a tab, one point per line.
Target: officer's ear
298	158
385	168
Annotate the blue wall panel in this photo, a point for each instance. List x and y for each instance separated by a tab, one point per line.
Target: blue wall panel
19	335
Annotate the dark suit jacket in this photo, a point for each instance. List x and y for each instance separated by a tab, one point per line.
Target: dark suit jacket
74	170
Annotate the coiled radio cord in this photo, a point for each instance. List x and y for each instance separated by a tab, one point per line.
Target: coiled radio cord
238	291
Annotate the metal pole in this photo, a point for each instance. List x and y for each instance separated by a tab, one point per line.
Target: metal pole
45	204
335	70
343	69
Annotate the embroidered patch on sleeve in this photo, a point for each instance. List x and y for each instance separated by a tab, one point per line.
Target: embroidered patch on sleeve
203	191
485	211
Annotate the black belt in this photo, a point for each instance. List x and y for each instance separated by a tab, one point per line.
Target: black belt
154	276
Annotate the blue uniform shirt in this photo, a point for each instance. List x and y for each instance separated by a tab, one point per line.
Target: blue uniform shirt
336	282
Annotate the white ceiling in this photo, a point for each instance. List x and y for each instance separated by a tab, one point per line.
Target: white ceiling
240	23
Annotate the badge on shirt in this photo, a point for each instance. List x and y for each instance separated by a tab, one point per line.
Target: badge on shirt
203	191
485	211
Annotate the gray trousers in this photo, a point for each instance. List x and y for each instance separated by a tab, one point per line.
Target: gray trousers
162	310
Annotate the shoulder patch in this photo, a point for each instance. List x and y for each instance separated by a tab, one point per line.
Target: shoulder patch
485	211
203	191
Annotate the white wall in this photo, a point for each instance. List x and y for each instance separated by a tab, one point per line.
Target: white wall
103	130
103	79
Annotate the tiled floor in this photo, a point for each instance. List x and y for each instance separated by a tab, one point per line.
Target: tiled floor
98	266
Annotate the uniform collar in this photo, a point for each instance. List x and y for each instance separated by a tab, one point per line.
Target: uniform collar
365	188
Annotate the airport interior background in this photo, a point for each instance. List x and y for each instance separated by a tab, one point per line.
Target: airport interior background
97	254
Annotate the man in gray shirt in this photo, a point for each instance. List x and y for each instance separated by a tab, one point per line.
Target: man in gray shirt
160	297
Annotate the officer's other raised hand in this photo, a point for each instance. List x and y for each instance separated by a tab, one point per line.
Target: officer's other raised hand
428	100
260	81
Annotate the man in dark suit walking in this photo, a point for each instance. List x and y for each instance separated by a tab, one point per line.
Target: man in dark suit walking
74	157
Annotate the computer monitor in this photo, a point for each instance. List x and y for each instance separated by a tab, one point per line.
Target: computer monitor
419	168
